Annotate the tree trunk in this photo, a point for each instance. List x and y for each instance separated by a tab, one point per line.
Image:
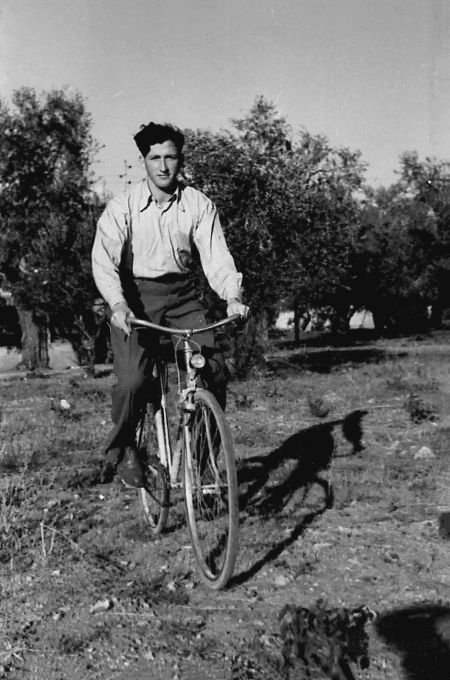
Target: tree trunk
34	342
437	313
84	349
340	321
296	322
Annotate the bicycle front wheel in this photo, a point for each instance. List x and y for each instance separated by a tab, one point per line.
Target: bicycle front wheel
210	491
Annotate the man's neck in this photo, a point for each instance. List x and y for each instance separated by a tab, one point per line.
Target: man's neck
159	195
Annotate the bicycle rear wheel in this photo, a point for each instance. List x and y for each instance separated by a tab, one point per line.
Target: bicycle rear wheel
210	491
155	495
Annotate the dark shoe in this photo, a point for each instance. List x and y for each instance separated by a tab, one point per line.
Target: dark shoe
129	469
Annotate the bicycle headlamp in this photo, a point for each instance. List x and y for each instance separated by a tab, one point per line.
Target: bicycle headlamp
197	361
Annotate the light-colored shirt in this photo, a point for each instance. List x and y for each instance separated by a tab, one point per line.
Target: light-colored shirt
161	241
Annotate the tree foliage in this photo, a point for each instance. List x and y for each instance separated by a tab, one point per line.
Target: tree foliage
287	204
402	258
47	211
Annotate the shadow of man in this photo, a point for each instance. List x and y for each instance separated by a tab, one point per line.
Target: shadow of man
267	483
421	635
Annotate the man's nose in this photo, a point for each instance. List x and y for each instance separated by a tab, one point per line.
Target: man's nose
162	165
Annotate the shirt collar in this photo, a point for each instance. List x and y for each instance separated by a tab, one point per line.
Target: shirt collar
147	198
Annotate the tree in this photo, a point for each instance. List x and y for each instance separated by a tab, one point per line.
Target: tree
428	183
402	258
47	215
324	213
287	208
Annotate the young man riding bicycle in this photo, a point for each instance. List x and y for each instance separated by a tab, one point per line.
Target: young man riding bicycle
141	261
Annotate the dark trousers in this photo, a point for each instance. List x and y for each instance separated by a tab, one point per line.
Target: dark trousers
170	301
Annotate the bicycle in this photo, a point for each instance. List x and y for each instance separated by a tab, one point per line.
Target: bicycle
202	462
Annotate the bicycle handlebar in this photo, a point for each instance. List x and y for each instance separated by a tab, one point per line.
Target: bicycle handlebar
186	332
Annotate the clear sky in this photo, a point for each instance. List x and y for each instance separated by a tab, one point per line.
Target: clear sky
372	75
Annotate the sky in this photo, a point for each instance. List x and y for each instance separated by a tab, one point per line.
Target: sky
372	75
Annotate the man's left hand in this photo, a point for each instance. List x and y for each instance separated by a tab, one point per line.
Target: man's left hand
237	307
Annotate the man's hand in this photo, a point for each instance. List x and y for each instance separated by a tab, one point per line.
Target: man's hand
235	306
120	315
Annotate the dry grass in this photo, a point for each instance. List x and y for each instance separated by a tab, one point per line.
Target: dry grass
327	471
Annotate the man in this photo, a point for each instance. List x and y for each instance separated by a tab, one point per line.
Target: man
141	259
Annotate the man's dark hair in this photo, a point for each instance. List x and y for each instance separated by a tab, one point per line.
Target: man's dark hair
158	134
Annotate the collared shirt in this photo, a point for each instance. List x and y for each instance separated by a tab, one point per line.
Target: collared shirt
135	232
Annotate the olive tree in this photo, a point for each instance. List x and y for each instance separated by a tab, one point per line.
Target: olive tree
47	217
288	209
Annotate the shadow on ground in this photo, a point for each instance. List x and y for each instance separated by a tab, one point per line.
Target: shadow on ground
420	634
295	465
267	483
360	336
325	360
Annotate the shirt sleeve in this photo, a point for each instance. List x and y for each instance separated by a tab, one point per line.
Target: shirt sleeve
110	238
216	259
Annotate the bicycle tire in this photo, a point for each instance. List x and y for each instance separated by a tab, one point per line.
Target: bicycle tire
155	495
211	491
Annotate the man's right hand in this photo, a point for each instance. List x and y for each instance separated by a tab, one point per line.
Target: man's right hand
120	315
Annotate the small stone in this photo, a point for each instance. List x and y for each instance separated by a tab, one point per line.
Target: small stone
101	606
424	454
281	581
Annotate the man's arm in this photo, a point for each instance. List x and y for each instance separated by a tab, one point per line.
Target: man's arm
235	306
120	315
110	238
217	261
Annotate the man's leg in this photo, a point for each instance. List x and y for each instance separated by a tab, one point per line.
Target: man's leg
132	365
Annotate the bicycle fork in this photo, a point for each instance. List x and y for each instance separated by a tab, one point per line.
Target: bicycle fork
193	364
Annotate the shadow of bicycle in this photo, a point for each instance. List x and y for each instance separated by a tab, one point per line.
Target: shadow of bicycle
267	484
420	634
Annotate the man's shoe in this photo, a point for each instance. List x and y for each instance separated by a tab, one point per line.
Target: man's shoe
129	469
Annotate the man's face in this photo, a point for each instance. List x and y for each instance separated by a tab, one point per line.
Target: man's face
162	163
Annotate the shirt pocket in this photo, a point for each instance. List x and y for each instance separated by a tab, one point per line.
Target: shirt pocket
184	238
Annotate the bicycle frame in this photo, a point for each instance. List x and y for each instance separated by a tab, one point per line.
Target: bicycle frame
170	457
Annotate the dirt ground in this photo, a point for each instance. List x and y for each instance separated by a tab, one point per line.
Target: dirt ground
344	463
